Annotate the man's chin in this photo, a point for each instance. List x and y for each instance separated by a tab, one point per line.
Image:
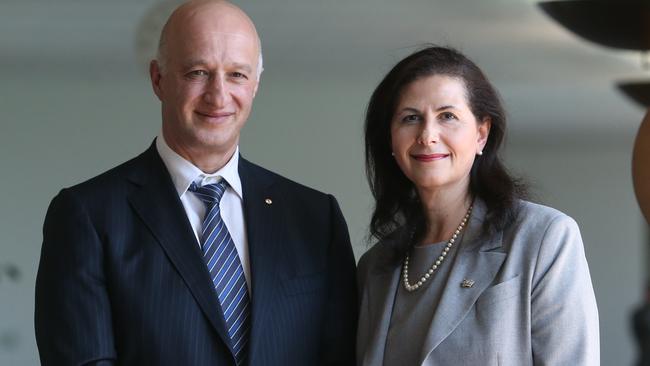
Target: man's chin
216	144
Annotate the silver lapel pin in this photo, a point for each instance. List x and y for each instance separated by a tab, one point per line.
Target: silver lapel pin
268	201
467	283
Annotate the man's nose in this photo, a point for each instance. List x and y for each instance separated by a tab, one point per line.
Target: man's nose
215	93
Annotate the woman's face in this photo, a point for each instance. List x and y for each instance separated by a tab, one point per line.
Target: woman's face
434	134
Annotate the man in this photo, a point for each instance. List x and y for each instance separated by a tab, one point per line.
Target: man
189	254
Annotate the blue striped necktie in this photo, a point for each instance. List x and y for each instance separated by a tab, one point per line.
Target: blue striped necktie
220	255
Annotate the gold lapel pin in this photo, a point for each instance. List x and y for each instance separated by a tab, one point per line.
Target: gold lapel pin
268	201
467	283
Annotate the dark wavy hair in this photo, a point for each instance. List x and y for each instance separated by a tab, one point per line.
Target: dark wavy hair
397	205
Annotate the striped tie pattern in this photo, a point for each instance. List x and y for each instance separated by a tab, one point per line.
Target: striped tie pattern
225	268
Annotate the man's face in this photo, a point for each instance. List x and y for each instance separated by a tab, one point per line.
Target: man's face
206	86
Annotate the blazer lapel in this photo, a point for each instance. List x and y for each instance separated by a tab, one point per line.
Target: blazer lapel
381	287
479	260
158	205
262	226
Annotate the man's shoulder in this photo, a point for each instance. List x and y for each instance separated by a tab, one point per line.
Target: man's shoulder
115	178
278	181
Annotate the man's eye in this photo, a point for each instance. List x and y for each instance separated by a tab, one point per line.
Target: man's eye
198	73
239	75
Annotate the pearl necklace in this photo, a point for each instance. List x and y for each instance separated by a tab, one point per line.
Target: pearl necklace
437	263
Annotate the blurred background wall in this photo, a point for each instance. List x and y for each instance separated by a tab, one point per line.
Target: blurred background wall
75	100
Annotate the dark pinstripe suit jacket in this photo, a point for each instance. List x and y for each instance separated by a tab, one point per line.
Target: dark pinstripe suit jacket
122	281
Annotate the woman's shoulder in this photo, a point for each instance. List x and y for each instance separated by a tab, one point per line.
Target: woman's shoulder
535	224
537	236
380	254
375	254
538	215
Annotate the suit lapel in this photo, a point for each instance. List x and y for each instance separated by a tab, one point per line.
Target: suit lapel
382	287
158	205
380	290
262	229
479	260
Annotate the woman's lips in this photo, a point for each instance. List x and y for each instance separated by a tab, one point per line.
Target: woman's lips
429	157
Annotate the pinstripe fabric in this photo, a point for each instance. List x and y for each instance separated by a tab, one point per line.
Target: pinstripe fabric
122	281
224	265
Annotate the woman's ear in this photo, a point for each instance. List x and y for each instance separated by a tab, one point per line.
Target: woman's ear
483	133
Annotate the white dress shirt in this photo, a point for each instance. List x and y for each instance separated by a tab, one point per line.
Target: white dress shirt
183	173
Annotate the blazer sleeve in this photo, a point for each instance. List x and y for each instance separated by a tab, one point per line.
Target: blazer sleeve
564	317
72	310
341	314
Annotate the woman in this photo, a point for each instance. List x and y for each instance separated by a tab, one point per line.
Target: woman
464	272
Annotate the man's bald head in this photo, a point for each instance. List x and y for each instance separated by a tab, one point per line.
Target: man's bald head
207	80
221	15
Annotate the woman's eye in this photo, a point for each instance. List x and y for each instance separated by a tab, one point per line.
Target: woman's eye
411	118
447	116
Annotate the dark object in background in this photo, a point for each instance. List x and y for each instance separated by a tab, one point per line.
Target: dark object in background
639	91
9	339
615	24
641	327
619	24
9	271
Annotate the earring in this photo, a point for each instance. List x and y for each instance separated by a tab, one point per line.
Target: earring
392	153
480	152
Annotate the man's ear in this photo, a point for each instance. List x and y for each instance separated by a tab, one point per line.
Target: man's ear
257	84
156	75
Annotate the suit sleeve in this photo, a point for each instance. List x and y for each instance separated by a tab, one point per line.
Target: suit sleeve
341	315
564	317
72	310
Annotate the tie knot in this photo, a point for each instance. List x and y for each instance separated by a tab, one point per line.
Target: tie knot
210	193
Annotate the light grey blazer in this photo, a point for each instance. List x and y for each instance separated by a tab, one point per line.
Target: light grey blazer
531	303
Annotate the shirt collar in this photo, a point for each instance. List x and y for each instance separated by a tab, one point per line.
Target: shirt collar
183	173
